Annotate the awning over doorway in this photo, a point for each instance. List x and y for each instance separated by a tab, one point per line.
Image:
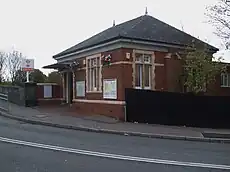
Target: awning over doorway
55	66
60	66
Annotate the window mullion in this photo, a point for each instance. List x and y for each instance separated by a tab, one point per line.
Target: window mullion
97	72
90	76
93	73
143	74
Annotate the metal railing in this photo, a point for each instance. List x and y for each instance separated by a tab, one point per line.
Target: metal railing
4	102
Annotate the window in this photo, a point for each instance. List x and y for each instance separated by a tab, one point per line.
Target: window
225	80
93	74
143	71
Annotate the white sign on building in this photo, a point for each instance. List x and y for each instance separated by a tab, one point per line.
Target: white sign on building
47	91
110	89
80	88
27	65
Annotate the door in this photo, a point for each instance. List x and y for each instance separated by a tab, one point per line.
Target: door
69	87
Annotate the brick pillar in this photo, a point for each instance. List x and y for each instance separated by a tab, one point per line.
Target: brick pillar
63	86
153	75
133	71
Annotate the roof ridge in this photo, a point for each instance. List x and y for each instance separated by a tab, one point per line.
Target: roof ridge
178	30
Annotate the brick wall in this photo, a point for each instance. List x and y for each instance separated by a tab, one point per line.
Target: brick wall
168	77
166	72
120	69
216	89
56	94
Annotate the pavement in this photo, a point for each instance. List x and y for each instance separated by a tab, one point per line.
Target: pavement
26	147
63	117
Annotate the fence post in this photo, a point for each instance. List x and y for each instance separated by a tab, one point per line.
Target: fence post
125	113
8	103
4	105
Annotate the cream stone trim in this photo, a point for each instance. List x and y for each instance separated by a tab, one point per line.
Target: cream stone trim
130	62
93	91
92	56
134	69
83	68
153	83
153	64
41	99
168	56
67	87
121	62
158	64
100	76
47	84
115	102
143	51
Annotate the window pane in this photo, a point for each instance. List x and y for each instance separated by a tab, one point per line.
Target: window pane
98	78
138	77
138	57
89	63
147	58
225	80
221	79
147	75
94	78
94	62
98	61
89	80
228	79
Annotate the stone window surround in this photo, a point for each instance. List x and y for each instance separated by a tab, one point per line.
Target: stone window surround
100	73
152	83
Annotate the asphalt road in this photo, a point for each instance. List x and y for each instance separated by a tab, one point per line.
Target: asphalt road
33	148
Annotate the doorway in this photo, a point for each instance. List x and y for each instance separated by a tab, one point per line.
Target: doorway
69	87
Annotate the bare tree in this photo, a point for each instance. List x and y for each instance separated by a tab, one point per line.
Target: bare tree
2	65
219	16
14	60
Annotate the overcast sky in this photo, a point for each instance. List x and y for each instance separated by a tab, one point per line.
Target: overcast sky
42	28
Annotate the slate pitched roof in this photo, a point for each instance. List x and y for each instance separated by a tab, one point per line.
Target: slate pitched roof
145	28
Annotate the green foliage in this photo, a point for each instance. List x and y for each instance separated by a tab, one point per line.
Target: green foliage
7	83
54	77
20	77
37	76
201	69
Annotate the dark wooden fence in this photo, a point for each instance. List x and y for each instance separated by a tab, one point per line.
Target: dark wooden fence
15	94
23	96
155	107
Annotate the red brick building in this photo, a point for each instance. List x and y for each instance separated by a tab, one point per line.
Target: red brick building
145	54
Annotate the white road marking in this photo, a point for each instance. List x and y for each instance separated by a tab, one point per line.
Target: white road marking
114	156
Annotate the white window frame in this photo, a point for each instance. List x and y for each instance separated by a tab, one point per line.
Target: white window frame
90	81
223	77
143	63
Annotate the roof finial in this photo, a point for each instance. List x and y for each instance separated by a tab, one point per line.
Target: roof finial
114	24
146	11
